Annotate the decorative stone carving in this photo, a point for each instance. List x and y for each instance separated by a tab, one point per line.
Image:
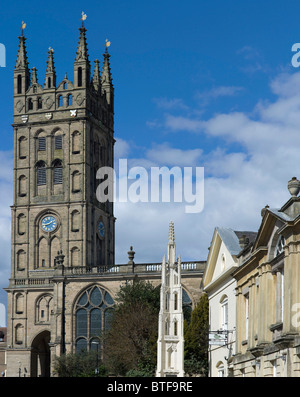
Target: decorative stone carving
294	187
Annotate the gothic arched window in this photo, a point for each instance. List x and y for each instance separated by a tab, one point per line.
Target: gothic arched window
93	313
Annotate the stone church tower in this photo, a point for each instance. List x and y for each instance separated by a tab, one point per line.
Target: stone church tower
63	133
170	343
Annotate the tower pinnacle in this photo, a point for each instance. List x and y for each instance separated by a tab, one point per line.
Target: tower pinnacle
97	77
82	52
22	62
106	79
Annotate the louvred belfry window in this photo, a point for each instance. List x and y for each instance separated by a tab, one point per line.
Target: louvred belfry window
42	143
58	142
41	173
57	172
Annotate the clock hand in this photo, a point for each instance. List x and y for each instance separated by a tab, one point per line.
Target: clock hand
49	223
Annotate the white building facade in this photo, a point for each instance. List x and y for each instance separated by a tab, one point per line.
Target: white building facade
220	287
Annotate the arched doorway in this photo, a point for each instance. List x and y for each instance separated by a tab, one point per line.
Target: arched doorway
40	355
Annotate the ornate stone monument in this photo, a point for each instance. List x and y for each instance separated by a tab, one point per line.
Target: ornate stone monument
170	344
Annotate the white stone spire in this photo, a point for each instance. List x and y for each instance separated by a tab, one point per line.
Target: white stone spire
170	343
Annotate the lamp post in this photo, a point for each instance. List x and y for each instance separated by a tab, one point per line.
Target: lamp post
97	360
60	264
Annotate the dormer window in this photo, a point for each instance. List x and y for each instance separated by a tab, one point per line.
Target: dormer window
280	246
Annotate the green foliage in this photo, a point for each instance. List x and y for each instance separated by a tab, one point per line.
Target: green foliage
139	292
144	369
79	365
196	339
130	344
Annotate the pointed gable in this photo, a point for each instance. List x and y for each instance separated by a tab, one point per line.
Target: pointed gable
222	254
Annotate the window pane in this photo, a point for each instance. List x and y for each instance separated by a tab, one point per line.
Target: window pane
81	322
96	297
81	345
108	299
96	322
108	314
83	300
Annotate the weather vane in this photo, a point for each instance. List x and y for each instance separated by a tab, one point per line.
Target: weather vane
107	44
83	17
23	27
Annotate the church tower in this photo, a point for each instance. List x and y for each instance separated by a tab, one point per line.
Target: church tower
63	133
170	343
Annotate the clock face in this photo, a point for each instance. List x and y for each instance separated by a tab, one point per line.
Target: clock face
49	223
101	229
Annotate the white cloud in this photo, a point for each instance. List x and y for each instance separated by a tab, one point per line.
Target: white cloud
217	92
121	149
2	315
238	183
170	104
164	154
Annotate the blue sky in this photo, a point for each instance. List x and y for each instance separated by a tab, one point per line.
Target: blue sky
200	83
160	49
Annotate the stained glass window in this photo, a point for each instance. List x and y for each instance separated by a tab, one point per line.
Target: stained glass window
93	314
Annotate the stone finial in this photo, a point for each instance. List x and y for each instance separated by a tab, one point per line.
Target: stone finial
60	259
34	75
131	254
294	187
263	211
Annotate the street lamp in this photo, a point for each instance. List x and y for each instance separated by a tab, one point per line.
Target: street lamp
97	362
